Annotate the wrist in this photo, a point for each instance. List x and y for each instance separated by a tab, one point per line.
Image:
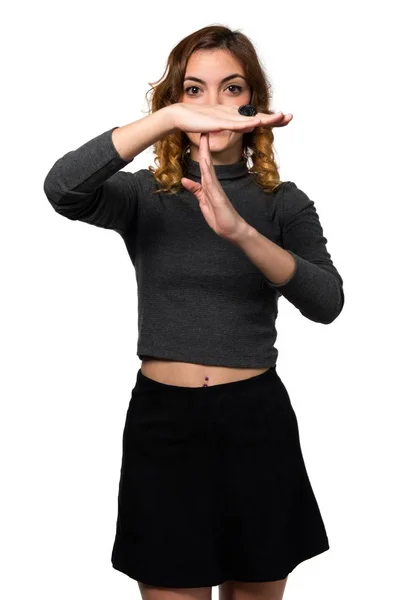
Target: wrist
244	232
170	113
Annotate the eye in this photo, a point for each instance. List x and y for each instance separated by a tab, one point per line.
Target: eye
239	89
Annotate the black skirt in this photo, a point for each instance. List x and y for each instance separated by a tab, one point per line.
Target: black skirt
213	485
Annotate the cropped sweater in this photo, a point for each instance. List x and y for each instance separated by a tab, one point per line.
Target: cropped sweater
200	298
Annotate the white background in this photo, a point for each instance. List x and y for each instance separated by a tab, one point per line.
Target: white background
74	70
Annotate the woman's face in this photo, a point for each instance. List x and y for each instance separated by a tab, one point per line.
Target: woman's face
212	66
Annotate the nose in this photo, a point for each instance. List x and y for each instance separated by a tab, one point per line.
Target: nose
213	98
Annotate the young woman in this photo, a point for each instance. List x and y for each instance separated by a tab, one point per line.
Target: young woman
213	488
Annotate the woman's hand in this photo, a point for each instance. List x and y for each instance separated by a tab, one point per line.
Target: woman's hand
215	205
205	118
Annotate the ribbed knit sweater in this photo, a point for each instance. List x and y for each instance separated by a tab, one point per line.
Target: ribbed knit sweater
200	298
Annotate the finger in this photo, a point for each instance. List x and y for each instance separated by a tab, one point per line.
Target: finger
286	120
207	172
263	119
191	185
233	125
205	153
205	169
275	120
204	147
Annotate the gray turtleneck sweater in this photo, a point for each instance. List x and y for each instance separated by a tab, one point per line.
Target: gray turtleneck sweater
200	299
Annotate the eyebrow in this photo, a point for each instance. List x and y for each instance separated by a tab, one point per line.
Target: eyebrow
222	80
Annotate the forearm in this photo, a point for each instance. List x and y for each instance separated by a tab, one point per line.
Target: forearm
274	262
314	289
130	140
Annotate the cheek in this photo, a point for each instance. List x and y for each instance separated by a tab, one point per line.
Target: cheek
193	137
236	135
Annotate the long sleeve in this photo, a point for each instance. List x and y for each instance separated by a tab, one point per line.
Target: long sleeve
86	185
316	287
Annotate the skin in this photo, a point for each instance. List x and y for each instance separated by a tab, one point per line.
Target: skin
224	147
230	590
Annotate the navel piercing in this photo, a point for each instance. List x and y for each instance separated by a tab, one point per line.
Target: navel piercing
205	384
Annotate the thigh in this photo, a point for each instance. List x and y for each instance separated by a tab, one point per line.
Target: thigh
149	592
243	590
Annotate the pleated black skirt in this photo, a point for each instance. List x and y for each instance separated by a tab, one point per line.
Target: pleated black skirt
213	485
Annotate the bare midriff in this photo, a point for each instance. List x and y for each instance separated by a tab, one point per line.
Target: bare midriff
186	374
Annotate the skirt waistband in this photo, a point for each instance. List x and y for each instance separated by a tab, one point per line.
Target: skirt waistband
144	383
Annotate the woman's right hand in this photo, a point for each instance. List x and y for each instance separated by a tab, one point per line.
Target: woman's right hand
206	118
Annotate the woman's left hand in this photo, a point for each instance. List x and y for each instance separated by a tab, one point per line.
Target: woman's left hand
214	203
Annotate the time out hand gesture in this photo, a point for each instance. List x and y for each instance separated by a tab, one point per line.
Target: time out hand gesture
215	205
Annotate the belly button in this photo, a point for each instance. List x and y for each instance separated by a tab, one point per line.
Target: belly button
205	384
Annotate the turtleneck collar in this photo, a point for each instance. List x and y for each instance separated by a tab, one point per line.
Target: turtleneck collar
232	171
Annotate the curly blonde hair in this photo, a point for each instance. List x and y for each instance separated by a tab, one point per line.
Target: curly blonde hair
257	144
